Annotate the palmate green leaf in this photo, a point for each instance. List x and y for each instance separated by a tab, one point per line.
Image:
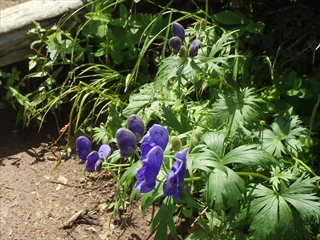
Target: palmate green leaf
278	175
168	69
203	159
284	137
100	134
170	119
238	108
139	100
224	190
274	213
301	195
164	219
248	155
270	213
216	142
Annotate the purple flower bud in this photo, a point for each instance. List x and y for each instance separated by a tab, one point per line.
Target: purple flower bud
175	44
104	151
83	146
98	165
175	178
156	136
177	30
147	174
136	125
193	49
92	159
126	142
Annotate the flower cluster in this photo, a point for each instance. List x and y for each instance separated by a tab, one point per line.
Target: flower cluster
127	138
92	159
152	146
176	42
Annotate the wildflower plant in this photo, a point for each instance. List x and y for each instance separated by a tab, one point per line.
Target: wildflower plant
197	140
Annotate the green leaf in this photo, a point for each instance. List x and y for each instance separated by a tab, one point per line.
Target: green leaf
248	155
203	159
215	142
139	100
270	212
189	201
164	219
284	137
100	134
237	108
114	121
274	213
224	190
300	197
129	174
255	27
151	197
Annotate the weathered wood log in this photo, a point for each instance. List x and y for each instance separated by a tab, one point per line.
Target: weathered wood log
16	21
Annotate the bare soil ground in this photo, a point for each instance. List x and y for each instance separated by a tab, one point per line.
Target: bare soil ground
40	199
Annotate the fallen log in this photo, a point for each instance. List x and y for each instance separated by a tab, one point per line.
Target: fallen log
16	21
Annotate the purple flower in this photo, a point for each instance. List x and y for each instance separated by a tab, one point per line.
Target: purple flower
147	174
156	136
175	44
175	179
135	125
193	49
95	159
83	146
178	30
126	142
92	159
104	151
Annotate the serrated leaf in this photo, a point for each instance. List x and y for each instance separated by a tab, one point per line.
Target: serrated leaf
238	108
139	100
249	155
100	134
224	190
215	142
270	212
204	160
273	215
283	137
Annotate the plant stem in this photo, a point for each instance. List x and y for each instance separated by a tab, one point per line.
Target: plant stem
238	173
253	175
306	166
192	179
